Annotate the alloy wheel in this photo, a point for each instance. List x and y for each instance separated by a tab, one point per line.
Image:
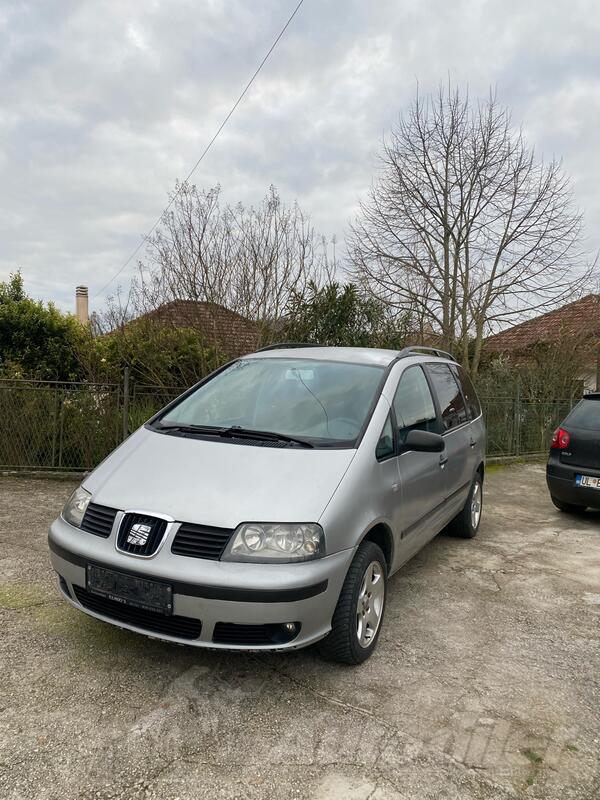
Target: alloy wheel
369	608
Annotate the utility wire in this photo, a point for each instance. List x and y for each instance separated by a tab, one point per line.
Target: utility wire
204	152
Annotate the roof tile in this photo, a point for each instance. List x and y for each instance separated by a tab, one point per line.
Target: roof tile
225	330
581	318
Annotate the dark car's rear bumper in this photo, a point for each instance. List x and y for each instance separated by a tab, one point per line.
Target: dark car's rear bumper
561	483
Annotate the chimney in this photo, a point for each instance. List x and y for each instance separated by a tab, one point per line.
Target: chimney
81	304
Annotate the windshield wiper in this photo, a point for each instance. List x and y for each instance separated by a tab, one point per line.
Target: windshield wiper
251	433
233	431
209	429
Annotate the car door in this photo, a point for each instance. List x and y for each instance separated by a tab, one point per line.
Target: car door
421	475
475	427
457	469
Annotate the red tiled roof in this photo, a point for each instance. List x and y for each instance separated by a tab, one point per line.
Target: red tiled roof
581	318
228	332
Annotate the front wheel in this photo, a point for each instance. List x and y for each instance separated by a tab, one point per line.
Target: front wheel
358	616
466	524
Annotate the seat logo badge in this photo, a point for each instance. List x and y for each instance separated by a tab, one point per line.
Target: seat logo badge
138	534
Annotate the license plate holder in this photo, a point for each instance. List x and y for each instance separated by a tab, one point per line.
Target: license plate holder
587	482
130	590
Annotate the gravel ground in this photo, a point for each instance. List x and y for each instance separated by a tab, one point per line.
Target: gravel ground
485	683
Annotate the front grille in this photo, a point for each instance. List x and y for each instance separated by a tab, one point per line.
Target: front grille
253	635
150	539
180	627
200	541
98	520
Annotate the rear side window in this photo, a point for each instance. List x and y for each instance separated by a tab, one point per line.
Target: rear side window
586	414
452	404
413	403
468	390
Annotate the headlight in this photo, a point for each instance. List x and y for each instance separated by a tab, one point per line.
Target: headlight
75	506
277	542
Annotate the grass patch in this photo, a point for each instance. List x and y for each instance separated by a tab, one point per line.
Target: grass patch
494	468
21	595
536	760
532	756
572	748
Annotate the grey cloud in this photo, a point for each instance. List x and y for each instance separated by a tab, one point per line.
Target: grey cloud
104	104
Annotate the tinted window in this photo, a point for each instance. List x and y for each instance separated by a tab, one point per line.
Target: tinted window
413	403
586	414
449	396
468	391
385	445
322	400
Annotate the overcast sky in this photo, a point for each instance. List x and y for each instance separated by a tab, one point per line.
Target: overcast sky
103	105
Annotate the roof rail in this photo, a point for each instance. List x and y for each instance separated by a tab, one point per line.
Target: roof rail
286	346
414	350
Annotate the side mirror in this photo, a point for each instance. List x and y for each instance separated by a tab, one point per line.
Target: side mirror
424	442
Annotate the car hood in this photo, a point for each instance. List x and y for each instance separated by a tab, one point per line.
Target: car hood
216	482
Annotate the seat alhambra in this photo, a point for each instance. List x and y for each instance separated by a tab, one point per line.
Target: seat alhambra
267	507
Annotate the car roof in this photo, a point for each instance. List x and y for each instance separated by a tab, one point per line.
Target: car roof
354	355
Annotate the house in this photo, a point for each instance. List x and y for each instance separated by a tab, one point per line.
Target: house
226	331
578	320
229	333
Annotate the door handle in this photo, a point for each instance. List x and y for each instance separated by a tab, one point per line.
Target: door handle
473	442
443	461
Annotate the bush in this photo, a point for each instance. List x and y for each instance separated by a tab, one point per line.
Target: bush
341	316
36	341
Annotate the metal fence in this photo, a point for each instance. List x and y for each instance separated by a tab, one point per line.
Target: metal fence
516	428
46	425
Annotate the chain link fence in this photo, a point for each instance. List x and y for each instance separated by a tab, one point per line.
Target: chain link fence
46	425
49	425
516	428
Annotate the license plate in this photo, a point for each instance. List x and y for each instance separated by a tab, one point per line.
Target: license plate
587	481
129	590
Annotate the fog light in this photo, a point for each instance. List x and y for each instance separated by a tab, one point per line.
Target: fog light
289	627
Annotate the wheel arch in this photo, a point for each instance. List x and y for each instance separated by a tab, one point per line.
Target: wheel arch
380	534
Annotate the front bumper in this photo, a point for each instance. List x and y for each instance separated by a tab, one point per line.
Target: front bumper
560	479
209	591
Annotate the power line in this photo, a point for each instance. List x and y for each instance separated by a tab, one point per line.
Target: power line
204	152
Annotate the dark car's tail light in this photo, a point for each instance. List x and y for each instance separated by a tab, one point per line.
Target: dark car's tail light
561	439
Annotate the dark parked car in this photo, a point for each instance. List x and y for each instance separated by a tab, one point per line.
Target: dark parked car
573	471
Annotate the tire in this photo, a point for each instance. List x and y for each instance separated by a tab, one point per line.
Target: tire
466	524
342	644
567	508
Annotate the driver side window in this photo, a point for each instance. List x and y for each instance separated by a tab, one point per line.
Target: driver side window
413	404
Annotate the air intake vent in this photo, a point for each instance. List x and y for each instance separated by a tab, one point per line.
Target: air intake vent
140	535
180	627
254	635
98	520
200	541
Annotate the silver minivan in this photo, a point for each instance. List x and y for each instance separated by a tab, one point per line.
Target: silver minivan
266	507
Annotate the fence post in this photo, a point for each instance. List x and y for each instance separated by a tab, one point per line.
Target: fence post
55	427
517	421
125	402
61	424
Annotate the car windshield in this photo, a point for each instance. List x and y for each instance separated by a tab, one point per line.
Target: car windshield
320	401
586	415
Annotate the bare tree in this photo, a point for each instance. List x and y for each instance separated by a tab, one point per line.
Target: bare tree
464	227
247	259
